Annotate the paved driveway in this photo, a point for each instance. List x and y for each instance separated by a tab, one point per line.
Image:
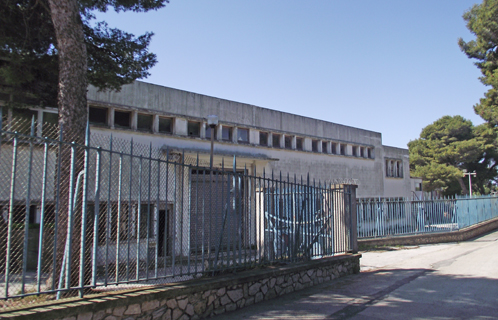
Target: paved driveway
445	281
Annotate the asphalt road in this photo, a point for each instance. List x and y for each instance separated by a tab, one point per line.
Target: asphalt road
444	281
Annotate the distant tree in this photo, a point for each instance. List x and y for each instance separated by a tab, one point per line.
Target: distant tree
482	21
447	147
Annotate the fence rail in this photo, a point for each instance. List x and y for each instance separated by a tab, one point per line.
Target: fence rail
392	217
112	214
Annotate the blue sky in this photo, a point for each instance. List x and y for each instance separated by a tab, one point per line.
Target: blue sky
389	66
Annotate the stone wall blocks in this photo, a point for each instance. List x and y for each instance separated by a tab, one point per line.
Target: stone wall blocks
280	280
319	273
246	289
306	279
225	300
241	303
231	307
190	310
254	288
184	317
235	295
200	307
119	311
295	278
264	289
250	301
150	305
177	313
219	310
259	297
208	312
289	289
99	315
272	282
133	309
171	304
211	299
110	317
271	294
182	304
157	314
310	272
221	292
84	316
278	289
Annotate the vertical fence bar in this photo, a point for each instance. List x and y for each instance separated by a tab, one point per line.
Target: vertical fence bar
118	223
148	215
128	231
138	219
96	213
28	207
109	215
84	211
42	215
57	203
11	213
156	225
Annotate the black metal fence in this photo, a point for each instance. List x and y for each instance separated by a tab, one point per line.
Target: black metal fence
113	214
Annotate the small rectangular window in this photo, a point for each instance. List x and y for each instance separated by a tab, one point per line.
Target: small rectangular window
288	142
369	153
333	147
299	144
21	120
343	149
324	147
194	129
122	119
243	135
97	115
165	125
355	151
276	140
50	125
314	145
208	132
263	138
226	133
362	152
144	122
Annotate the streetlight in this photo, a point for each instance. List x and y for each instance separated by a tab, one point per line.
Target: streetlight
470	174
212	121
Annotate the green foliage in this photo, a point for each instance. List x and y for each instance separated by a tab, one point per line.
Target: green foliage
28	49
482	21
447	147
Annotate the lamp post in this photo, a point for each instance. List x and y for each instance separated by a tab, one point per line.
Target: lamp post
212	122
470	174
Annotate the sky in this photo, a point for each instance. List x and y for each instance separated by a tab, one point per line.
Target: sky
388	66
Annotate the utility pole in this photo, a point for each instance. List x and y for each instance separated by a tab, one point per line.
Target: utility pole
470	174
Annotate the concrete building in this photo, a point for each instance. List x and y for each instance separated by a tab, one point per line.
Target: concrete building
260	138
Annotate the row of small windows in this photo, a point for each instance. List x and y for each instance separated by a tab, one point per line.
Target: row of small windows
123	119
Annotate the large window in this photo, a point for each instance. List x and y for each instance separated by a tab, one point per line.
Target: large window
299	144
314	145
226	133
122	119
243	135
97	115
288	142
333	148
276	140
194	129
263	138
165	125
324	147
343	149
144	122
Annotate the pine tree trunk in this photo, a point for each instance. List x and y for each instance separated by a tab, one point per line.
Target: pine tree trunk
72	106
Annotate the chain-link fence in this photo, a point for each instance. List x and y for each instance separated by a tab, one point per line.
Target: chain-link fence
113	214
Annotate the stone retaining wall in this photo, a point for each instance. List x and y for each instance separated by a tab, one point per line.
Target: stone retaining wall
453	236
197	299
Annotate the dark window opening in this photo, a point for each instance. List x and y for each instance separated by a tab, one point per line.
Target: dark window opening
288	142
362	152
263	139
276	140
165	125
144	122
21	120
50	125
324	147
355	151
194	129
369	153
97	115
243	135
299	144
314	145
333	147
343	150
226	134
122	119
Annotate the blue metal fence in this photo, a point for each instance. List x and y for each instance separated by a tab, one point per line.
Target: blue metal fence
112	214
393	217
